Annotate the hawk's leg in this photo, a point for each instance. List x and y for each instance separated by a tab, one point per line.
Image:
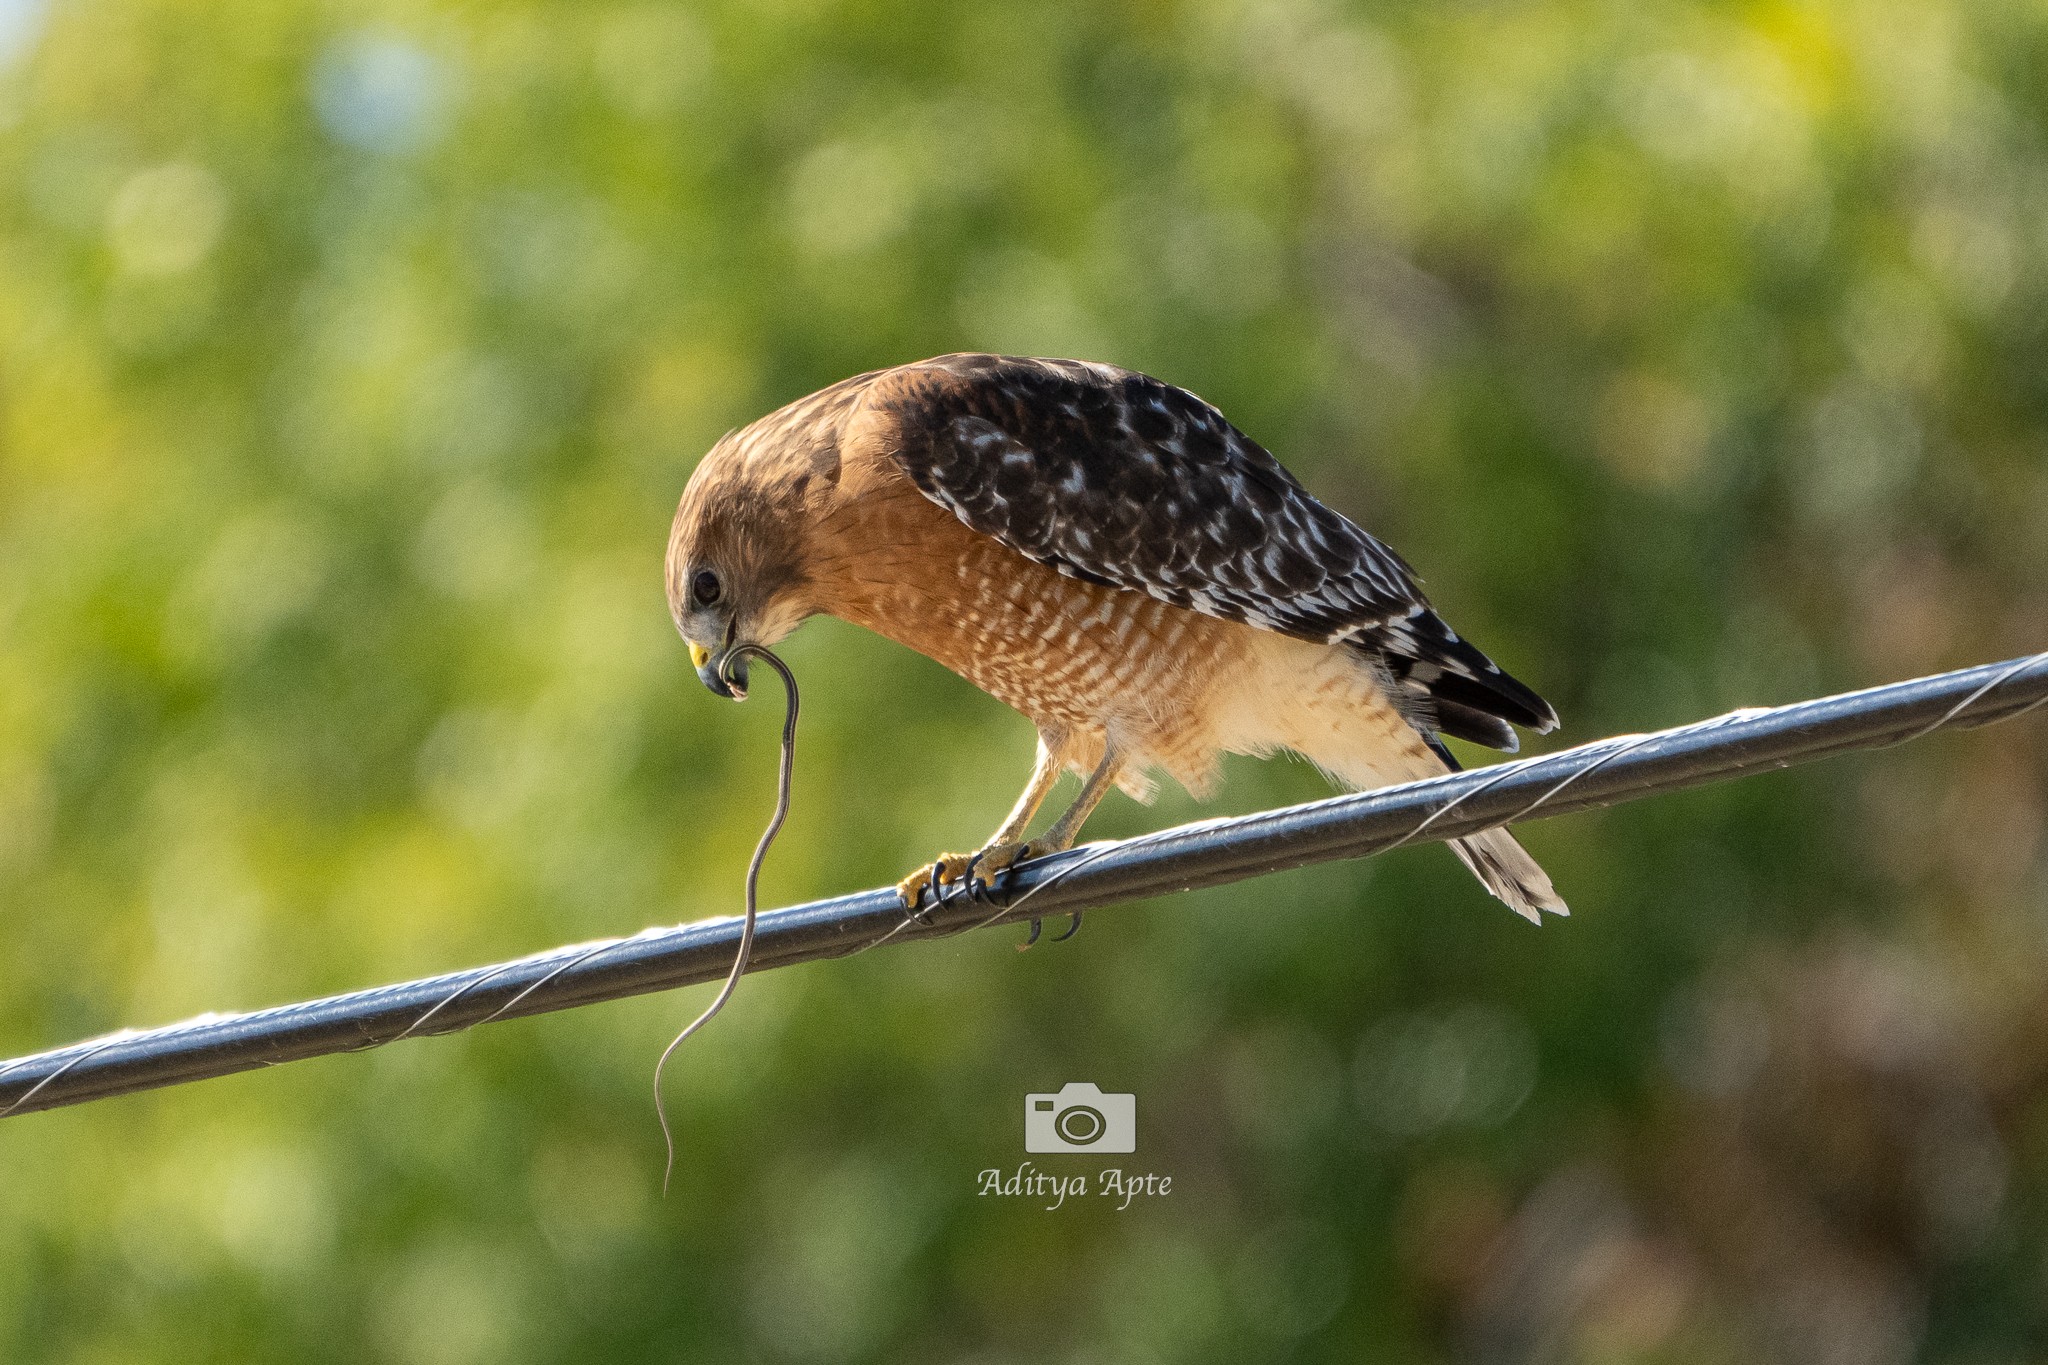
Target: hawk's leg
1061	835
1002	848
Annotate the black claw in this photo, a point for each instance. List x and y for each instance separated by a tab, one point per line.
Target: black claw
978	890
940	894
1072	929
1035	927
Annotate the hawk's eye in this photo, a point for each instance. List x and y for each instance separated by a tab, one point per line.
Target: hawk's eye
705	588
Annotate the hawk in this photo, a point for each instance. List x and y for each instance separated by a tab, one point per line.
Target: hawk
1108	555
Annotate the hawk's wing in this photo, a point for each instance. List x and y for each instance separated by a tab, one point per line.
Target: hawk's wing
1113	477
1117	478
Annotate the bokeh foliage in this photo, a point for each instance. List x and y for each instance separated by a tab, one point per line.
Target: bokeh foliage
352	357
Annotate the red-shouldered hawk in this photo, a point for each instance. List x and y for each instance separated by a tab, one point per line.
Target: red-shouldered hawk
1112	558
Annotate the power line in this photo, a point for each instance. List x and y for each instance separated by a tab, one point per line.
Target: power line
1208	853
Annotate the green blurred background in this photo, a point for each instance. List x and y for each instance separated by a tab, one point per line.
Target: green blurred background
352	358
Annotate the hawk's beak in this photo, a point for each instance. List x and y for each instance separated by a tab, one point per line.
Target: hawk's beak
720	672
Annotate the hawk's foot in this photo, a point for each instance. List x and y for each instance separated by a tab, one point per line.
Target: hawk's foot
972	873
996	859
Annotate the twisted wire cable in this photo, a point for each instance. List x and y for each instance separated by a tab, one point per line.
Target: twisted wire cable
1207	853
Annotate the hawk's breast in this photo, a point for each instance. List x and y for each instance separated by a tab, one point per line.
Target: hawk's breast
1061	650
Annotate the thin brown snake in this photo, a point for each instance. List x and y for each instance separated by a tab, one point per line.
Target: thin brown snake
746	950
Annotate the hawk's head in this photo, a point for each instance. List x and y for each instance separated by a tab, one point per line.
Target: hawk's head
735	558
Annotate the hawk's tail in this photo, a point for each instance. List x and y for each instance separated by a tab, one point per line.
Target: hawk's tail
1505	868
1502	865
1361	736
